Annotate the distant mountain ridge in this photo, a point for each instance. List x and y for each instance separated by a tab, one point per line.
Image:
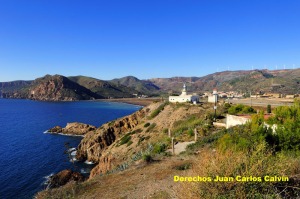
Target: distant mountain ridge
60	88
281	81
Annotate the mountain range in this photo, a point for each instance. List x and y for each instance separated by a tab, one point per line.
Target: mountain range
61	88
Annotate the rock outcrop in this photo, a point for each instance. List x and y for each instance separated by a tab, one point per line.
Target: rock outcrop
74	128
63	177
94	143
104	165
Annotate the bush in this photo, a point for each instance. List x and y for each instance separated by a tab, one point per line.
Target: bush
165	130
151	127
287	119
183	167
158	110
159	148
240	109
147	124
126	138
147	158
137	131
191	122
129	143
190	132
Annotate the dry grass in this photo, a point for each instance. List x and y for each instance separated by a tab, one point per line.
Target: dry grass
258	163
143	180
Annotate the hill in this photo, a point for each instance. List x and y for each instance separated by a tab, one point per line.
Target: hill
8	89
133	157
103	88
59	88
81	87
282	81
141	86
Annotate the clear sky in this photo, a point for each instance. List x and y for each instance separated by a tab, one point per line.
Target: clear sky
146	38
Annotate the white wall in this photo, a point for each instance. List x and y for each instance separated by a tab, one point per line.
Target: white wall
233	120
212	99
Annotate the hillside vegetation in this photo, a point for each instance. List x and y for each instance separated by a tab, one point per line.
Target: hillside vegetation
136	163
103	88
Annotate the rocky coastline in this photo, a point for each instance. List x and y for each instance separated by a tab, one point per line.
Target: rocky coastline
94	144
95	141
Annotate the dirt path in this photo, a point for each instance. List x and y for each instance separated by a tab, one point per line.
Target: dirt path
181	146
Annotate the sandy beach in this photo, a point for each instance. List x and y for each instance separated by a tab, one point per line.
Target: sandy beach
135	101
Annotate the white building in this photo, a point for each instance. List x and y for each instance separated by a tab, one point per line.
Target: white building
184	97
214	97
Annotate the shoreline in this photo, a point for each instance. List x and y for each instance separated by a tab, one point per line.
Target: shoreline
134	101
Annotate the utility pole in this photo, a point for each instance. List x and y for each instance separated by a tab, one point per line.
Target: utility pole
250	99
215	93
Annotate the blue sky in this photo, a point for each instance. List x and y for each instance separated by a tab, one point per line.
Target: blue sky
146	38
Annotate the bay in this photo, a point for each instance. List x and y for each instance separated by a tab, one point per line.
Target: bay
27	155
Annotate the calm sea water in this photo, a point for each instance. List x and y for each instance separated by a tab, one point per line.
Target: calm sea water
27	155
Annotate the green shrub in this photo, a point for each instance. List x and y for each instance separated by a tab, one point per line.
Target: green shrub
137	131
191	132
129	143
125	139
158	110
141	139
151	127
240	109
147	157
165	130
287	119
147	124
190	123
159	148
183	167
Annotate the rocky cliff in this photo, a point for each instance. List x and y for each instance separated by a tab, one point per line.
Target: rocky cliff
94	143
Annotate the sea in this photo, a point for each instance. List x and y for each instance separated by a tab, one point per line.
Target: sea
28	155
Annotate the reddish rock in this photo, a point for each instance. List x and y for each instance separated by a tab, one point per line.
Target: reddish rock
64	177
94	143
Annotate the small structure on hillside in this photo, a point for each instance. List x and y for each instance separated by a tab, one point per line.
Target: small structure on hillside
233	120
184	97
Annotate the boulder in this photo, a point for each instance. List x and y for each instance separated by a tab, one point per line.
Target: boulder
64	177
56	129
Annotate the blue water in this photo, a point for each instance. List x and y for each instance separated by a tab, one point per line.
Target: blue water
27	155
